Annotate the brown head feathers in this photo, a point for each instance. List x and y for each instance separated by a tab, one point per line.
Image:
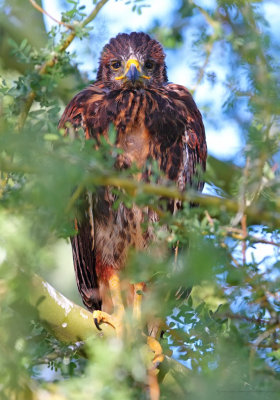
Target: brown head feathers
139	46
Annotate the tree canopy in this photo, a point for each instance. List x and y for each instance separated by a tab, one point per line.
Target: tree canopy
223	340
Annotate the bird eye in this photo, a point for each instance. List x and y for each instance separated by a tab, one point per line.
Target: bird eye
149	64
116	65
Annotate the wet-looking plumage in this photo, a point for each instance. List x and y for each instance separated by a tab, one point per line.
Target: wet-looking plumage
153	119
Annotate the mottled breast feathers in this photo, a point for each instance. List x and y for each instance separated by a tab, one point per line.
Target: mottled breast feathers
162	123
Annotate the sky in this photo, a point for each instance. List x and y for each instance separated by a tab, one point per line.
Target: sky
118	17
224	141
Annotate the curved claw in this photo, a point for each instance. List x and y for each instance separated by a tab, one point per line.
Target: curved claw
114	320
96	323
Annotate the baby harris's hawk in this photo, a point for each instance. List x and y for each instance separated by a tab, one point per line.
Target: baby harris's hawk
154	120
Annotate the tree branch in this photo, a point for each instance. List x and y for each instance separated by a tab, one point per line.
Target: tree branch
255	214
70	323
239	235
41	10
66	320
50	63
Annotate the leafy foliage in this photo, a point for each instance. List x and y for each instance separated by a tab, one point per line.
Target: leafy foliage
226	331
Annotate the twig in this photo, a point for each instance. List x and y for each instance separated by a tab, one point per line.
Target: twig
74	198
206	15
238	234
202	69
209	49
209	218
235	262
41	10
242	317
244	232
265	335
49	64
176	252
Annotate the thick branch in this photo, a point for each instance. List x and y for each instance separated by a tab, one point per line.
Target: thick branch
70	323
67	321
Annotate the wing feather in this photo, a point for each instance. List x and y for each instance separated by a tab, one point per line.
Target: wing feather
84	265
78	114
191	144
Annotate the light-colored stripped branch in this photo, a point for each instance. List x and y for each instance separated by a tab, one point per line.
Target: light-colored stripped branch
41	10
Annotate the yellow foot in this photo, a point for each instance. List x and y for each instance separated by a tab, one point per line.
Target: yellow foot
101	317
153	384
156	349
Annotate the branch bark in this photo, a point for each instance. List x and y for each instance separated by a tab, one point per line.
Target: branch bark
66	320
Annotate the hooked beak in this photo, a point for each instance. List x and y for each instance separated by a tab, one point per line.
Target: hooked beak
132	71
133	74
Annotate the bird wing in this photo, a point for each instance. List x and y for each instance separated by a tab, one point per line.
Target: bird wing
76	115
84	111
190	148
178	136
186	158
84	262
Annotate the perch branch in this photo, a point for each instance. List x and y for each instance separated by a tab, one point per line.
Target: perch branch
70	323
66	320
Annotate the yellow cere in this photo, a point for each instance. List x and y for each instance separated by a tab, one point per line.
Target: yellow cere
132	61
128	65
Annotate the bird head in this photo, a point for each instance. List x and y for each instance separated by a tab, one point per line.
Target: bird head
132	61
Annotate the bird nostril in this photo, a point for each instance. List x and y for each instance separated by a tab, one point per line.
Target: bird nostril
133	73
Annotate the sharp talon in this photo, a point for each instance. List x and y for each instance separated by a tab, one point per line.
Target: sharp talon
97	324
101	317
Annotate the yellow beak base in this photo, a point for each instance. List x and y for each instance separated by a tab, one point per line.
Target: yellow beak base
136	64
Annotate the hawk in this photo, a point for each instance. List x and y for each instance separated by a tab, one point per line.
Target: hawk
154	120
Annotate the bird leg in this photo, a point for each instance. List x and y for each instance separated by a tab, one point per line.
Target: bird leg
137	301
152	342
154	329
154	389
115	319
